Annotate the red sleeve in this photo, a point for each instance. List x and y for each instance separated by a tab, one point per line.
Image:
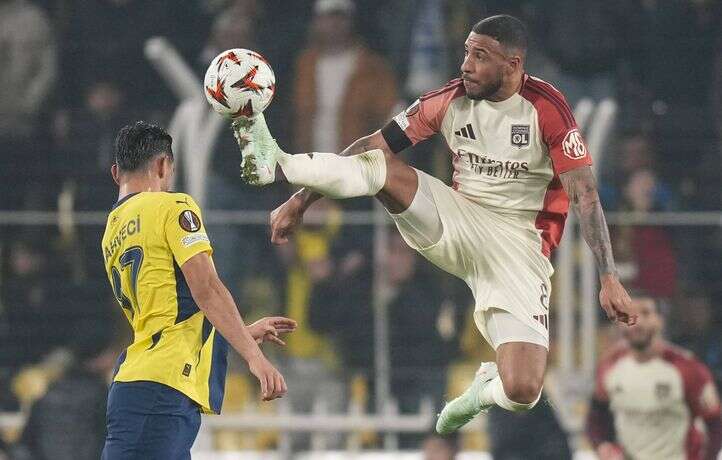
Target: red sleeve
700	391
703	401
600	391
423	118
599	425
714	438
558	127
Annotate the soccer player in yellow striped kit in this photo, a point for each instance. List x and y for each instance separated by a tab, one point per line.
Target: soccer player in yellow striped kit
158	259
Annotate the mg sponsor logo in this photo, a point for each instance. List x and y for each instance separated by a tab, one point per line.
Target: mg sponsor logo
573	145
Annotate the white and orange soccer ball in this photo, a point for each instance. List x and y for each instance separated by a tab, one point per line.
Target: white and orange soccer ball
239	83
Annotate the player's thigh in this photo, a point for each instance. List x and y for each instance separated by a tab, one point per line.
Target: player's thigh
128	407
147	420
169	436
400	186
171	428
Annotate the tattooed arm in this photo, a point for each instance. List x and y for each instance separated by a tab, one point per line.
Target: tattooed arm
287	217
581	187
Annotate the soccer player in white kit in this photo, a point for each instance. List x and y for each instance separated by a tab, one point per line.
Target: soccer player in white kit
651	397
519	160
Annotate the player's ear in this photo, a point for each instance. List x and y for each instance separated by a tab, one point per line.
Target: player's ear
515	63
115	173
159	166
166	166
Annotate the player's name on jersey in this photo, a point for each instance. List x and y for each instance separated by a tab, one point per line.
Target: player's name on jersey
127	229
481	164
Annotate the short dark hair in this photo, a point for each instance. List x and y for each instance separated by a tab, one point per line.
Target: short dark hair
506	29
138	143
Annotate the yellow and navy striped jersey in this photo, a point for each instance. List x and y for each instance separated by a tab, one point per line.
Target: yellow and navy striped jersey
148	237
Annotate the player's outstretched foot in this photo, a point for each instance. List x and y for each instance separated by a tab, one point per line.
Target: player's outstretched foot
258	149
461	410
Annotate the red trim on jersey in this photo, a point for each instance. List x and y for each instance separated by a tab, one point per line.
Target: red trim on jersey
425	116
555	121
551	94
449	86
550	220
694	377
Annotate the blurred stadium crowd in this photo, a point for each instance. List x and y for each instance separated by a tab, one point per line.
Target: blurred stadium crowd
72	73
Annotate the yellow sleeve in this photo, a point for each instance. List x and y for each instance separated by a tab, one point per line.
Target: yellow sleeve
184	230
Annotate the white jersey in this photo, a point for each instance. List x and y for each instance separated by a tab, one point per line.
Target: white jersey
654	404
507	155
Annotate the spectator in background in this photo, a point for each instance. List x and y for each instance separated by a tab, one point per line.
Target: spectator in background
27	294
544	438
28	70
669	41
584	38
341	303
84	139
107	37
650	395
343	90
28	67
423	338
636	152
68	422
646	257
693	326
312	369
438	447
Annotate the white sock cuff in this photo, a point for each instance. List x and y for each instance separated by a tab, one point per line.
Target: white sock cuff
374	169
503	401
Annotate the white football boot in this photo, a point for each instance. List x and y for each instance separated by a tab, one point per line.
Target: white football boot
461	410
259	150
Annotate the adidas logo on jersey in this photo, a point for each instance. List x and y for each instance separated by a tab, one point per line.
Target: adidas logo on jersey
466	132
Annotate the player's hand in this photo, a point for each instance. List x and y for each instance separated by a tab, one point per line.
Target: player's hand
615	301
285	219
272	383
609	451
269	329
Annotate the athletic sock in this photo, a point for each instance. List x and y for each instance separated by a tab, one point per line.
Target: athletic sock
493	393
336	176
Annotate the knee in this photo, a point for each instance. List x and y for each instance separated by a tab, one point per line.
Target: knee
523	389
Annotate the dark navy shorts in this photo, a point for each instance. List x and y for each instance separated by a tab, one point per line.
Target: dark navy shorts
149	421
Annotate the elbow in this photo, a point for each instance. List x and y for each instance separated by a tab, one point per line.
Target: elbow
204	290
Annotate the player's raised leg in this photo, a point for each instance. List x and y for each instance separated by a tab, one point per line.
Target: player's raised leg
368	173
367	167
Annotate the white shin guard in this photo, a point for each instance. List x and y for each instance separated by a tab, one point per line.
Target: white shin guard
336	176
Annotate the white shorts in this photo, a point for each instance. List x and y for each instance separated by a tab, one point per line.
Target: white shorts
498	256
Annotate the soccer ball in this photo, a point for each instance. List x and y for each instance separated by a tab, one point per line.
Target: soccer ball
239	83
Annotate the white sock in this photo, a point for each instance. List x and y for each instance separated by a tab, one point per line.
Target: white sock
493	393
335	176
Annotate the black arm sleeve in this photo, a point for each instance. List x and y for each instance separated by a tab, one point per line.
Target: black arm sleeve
395	137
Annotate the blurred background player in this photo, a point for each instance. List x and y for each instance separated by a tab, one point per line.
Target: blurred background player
158	260
650	396
519	160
